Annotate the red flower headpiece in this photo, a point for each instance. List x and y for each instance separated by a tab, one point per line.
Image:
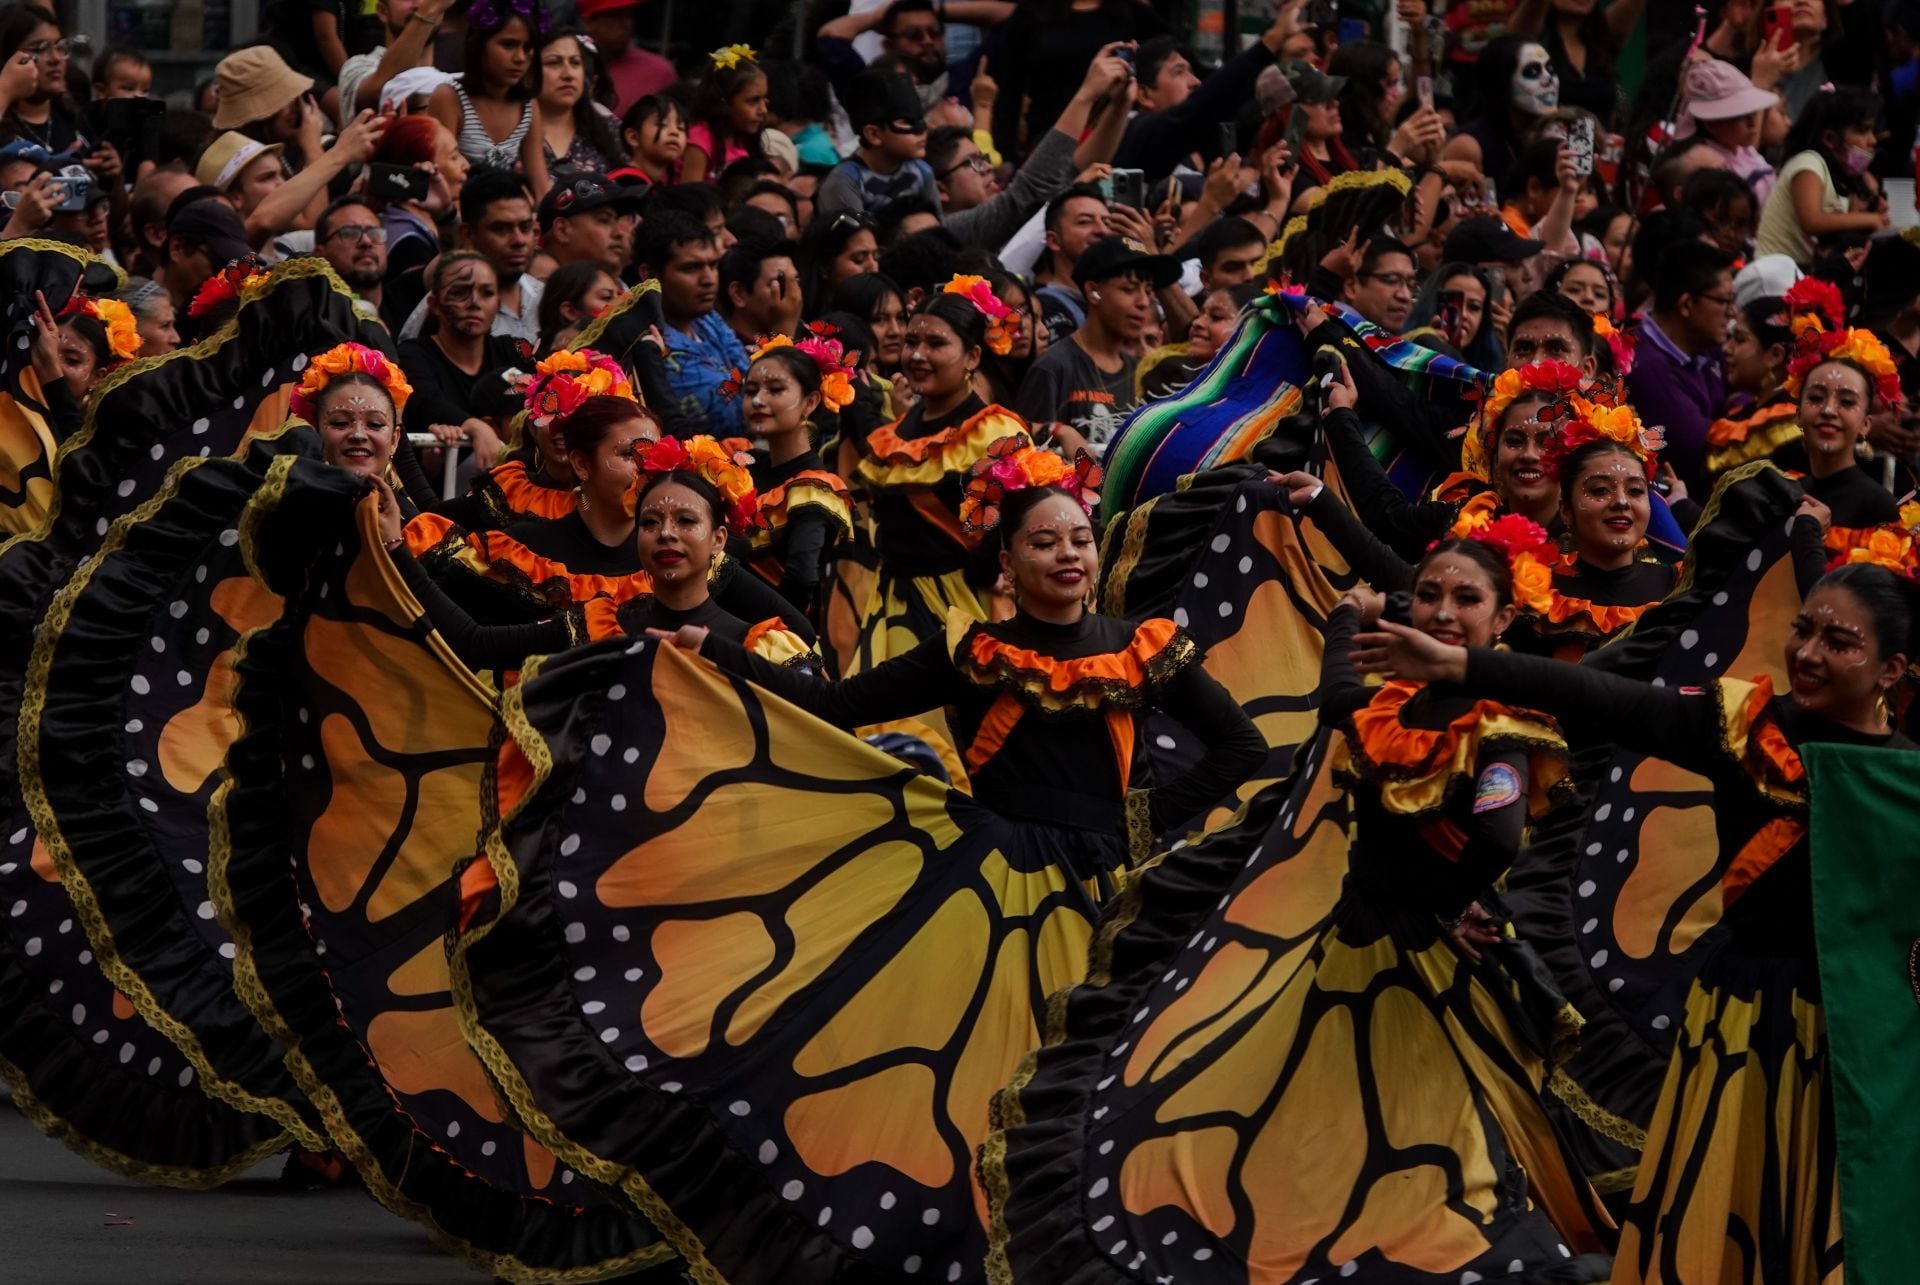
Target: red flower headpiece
1003	323
563	380
226	284
1554	377
1014	464
1817	301
1862	348
1584	420
349	359
1529	552
123	333
1619	342
828	355
722	469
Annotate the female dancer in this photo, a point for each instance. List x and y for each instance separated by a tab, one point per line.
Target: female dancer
885	889
683	502
915	470
1836	377
804	510
1265	1126
1767	417
1599	460
1503	457
1737	1177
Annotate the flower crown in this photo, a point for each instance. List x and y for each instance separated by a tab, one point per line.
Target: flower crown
564	380
1813	304
724	470
1556	378
1814	346
828	354
349	359
1525	545
1618	341
1003	323
1582	421
1013	464
491	15
732	56
123	335
226	284
1895	546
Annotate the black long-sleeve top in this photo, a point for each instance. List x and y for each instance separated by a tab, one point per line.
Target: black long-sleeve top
1397	858
1685	727
1156	142
485	646
1054	766
1406	526
571	542
445	394
800	546
1855	501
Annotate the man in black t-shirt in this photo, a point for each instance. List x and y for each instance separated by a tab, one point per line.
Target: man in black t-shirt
1083	385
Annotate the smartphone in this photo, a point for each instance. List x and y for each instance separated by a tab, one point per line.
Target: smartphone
1130	188
132	125
1446	316
1779	27
1580	145
1423	86
1125	55
1229	139
397	182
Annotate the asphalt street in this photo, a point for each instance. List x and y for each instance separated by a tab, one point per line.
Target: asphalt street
57	1213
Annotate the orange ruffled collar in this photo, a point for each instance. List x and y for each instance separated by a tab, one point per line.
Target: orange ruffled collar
1417	769
924	461
1734	429
523	496
1119	680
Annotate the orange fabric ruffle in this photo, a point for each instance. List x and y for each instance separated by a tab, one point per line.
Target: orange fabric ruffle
600	619
1736	429
1416	767
426	532
1605	621
810	488
924	461
521	494
498	551
1156	651
1758	854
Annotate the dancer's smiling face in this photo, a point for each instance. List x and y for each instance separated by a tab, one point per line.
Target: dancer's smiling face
358	429
1051	556
1458	597
1838	666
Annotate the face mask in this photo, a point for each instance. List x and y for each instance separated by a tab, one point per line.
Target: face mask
1536	90
1858	160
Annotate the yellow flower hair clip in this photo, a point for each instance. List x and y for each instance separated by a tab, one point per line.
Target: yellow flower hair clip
732	56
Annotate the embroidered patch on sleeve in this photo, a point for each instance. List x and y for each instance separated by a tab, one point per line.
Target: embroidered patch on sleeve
1499	786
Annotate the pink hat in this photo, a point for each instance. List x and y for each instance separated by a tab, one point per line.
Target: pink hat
1717	91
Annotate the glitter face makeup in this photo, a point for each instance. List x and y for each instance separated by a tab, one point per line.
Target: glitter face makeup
1609	511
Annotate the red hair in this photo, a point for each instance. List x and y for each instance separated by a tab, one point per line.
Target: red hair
409	140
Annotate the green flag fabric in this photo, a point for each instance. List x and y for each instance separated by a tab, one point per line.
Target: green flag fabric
1866	914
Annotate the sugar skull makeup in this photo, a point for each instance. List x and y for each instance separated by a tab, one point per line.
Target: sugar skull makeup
1536	90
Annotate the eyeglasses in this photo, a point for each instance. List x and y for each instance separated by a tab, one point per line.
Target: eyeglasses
977	163
64	46
347	235
1724	300
1391	280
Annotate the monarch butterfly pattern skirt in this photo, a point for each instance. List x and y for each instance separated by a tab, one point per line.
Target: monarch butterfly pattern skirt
1737	1182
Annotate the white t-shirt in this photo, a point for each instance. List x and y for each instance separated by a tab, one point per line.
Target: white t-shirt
1780	231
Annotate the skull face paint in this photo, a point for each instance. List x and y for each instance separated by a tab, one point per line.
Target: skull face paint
1536	90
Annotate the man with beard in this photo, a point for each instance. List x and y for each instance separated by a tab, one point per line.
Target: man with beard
353	241
702	350
496	218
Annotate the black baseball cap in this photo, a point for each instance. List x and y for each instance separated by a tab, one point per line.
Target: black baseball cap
880	98
577	192
1111	256
1487	239
212	223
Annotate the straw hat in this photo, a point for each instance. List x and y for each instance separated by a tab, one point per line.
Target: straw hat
254	84
228	155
